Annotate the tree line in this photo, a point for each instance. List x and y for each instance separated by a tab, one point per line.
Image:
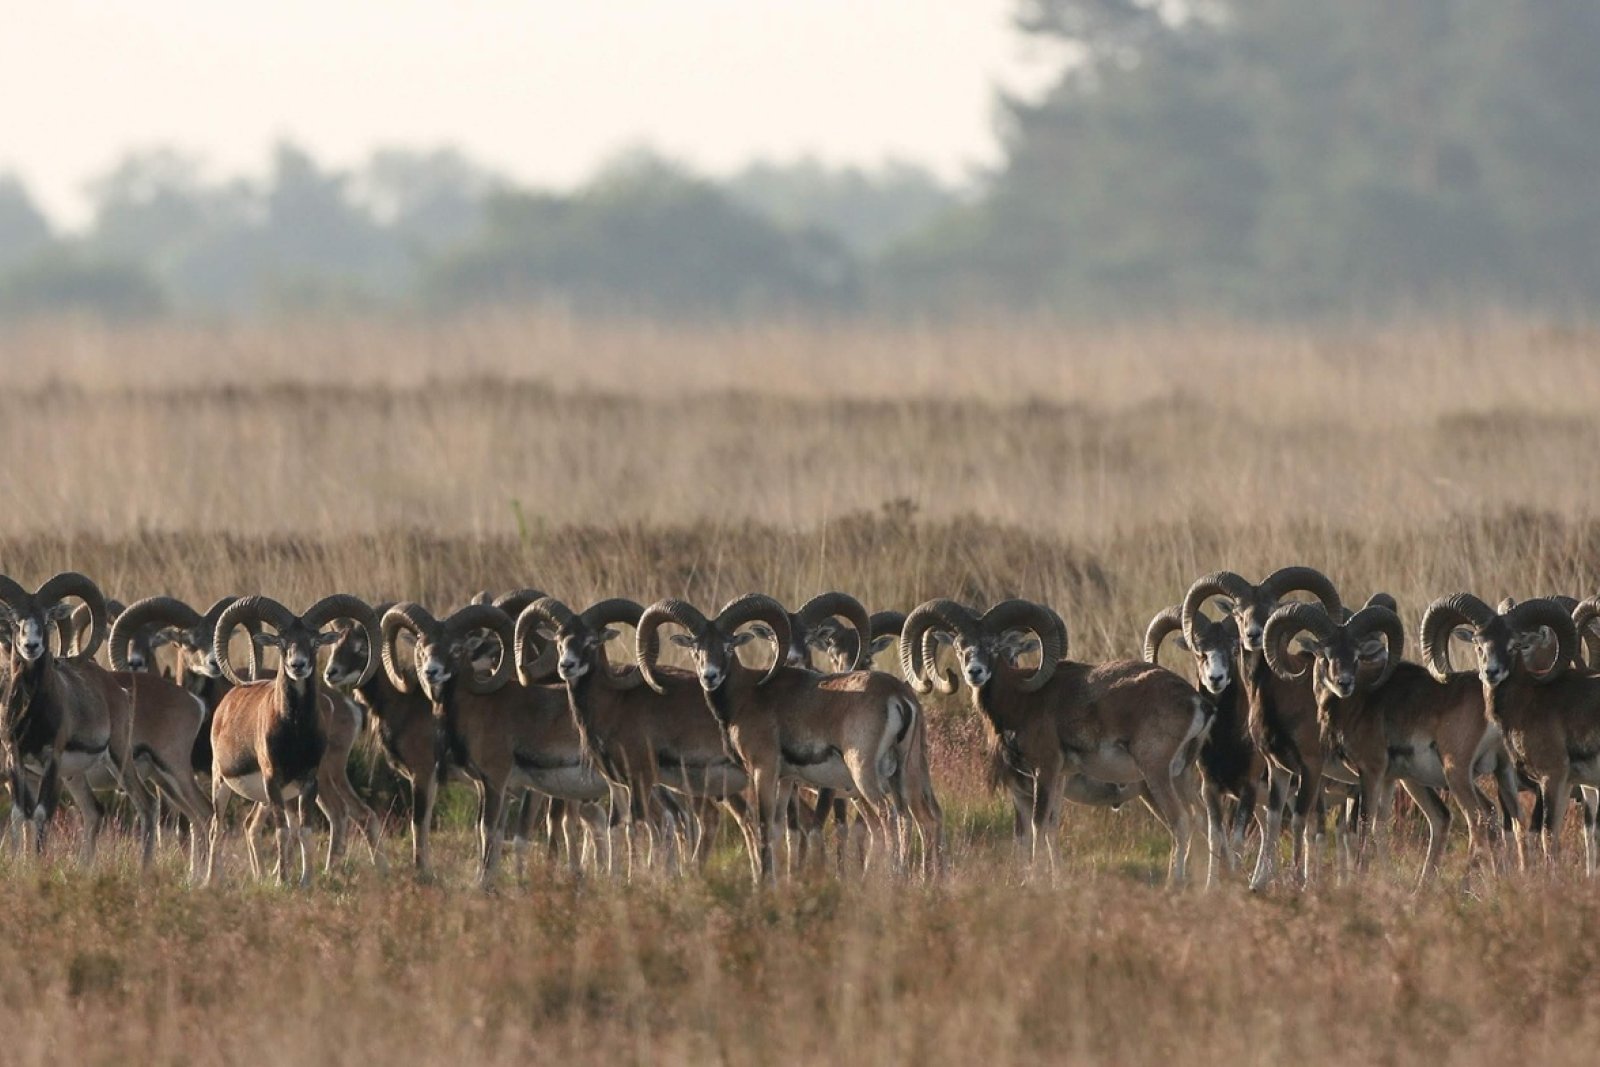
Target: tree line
1254	157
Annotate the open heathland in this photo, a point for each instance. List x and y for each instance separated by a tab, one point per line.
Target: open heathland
1100	471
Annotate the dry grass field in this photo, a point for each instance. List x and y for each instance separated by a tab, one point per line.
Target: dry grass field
1099	470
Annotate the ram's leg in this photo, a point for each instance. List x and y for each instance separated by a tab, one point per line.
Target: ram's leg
1306	826
93	813
1244	814
146	807
46	800
424	793
533	815
1377	808
252	827
333	808
491	831
1165	797
1477	812
1557	799
278	819
764	784
1591	825
1513	830
1271	818
218	830
366	820
296	831
187	803
1438	815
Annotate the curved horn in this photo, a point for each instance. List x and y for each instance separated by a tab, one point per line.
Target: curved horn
13	596
403	616
514	602
944	679
916	661
1380	618
352	609
1584	617
1304	580
1441	617
548	610
884	623
1166	622
613	612
756	607
151	613
71	628
486	617
839	605
1284	624
208	628
72	584
1219	583
1051	630
1539	612
243	612
649	640
530	669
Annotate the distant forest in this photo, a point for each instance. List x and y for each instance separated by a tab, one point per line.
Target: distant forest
1248	157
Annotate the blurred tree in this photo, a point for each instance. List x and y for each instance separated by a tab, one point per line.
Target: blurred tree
297	241
868	210
63	280
1290	156
431	200
644	236
23	228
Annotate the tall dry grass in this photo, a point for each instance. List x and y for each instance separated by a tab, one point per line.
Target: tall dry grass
450	427
1098	470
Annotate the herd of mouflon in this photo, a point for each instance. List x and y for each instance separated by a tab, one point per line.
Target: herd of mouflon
1301	708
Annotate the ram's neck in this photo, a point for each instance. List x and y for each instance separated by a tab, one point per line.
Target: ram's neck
1001	702
1514	697
297	700
580	701
1254	672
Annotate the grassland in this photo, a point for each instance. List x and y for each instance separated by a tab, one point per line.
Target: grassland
1098	470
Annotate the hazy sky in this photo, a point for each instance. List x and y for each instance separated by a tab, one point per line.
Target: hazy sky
541	90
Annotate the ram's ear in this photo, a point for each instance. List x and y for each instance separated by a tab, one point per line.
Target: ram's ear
1018	643
328	637
682	640
1530	641
944	639
160	638
882	644
1182	644
823	634
1462	633
1225	605
744	637
266	640
57	612
1372	650
1306	645
610	633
